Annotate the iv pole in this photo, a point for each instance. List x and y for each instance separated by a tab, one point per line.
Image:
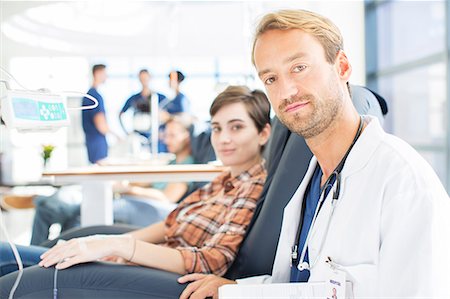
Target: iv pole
154	102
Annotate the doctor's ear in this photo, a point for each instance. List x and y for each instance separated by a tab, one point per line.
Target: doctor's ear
344	68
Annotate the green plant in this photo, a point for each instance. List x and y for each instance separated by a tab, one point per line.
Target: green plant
47	150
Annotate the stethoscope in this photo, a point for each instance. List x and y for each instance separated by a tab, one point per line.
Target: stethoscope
336	175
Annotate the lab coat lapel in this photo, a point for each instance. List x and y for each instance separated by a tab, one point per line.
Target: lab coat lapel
319	229
364	148
291	217
359	156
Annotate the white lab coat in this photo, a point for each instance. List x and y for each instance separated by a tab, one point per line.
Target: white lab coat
390	231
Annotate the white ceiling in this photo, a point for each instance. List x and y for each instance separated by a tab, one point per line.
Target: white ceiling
156	28
167	30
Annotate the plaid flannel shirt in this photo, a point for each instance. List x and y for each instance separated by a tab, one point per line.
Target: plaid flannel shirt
209	225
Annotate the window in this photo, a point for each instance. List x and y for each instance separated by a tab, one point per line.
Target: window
407	62
409	30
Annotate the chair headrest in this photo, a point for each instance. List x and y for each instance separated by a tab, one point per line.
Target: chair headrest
381	101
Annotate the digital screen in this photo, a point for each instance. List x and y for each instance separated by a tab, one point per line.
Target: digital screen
29	109
25	108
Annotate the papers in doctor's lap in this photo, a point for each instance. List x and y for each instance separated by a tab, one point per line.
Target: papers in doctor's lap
280	291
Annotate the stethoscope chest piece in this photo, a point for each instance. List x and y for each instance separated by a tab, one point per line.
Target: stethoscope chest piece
303	266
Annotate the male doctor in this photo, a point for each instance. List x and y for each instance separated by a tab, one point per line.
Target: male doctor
369	208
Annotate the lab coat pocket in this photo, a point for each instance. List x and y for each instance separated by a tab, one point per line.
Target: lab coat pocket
363	277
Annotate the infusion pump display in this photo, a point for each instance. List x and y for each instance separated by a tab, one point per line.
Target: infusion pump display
34	111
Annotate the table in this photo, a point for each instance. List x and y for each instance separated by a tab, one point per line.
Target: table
97	181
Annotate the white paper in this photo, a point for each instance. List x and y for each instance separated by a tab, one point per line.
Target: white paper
279	291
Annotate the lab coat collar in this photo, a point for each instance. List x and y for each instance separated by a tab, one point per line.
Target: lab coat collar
364	147
361	152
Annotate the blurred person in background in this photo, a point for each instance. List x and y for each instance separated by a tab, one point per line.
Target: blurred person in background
140	103
94	122
178	103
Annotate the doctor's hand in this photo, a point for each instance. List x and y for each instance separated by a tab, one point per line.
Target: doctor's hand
82	250
202	286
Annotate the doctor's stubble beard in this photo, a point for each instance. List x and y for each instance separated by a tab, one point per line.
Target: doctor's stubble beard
322	116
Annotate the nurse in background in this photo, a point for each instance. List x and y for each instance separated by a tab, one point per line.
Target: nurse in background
94	122
140	104
178	103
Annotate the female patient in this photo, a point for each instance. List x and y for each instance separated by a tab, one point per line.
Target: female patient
204	232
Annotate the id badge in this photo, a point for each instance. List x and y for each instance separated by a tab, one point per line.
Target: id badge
335	284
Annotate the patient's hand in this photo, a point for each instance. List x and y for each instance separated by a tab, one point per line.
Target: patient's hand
114	259
82	250
202	285
117	259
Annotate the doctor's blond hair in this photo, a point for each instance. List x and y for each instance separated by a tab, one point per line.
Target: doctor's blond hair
318	26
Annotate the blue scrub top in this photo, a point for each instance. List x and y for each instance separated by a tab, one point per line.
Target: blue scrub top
312	199
179	104
140	103
96	144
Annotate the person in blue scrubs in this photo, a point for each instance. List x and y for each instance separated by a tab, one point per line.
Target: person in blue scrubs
180	103
94	122
140	102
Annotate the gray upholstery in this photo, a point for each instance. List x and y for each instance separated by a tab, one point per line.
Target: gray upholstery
366	103
288	160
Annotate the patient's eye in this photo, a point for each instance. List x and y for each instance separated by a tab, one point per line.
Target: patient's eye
237	127
215	129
